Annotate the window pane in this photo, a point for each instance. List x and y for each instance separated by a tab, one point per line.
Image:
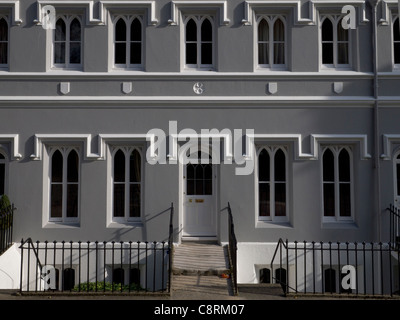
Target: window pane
75	30
136	30
279	53
280	199
56	201
398	178
263	53
279	30
263	31
344	166
206	30
75	52
3	30
60	33
328	166
208	187
136	53
3	53
72	201
190	171
120	30
134	200
345	200
343	53
73	167
342	34
329	200
264	199
135	167
280	166
119	167
396	31
199	187
327	53
198	172
208	171
206	53
59	52
120	53
119	200
263	166
327	30
191	53
2	177
191	31
396	53
190	187
57	167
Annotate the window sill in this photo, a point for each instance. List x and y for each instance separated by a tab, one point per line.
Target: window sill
273	224
61	225
129	225
339	225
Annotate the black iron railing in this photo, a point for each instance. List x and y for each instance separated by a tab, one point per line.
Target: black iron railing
6	227
232	249
336	268
97	267
170	246
394	225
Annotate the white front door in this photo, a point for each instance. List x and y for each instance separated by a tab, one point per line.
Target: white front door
199	212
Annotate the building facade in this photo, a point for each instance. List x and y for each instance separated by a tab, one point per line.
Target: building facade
316	105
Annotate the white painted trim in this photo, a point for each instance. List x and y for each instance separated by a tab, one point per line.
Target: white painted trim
178	5
15	10
388	141
13	139
103	7
387	8
252	5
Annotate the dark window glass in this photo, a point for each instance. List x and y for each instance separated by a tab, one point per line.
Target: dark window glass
3	52
263	52
327	30
330	280
279	30
136	45
280	199
206	30
75	30
134	200
60	32
263	30
120	45
56	200
206	53
345	200
328	166
191	31
397	53
263	166
199	185
327	53
280	166
136	30
119	200
398	178
329	200
2	157
136	53
343	53
72	200
396	31
191	42
59	52
191	53
3	41
3	30
120	30
344	166
396	39
119	166
75	53
57	167
120	53
264	199
73	167
263	38
135	167
2	178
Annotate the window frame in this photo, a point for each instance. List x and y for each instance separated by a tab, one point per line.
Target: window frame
270	20
395	66
5	162
199	18
127	150
65	151
337	218
68	18
335	19
128	18
4	66
272	149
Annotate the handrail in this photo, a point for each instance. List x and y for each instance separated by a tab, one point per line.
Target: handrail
29	240
394	225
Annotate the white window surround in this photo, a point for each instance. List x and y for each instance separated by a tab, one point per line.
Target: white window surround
13	6
271	149
68	18
336	149
336	21
128	19
64	221
270	19
126	221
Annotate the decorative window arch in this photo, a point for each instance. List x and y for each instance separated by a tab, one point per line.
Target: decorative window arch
271	40
67	42
127	179
272	178
64	177
337	176
335	42
199	41
128	41
4	37
396	42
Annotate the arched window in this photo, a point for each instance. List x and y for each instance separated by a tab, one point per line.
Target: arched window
67	42
271	41
127	181
272	184
199	38
396	41
64	185
337	184
2	174
335	42
128	42
3	41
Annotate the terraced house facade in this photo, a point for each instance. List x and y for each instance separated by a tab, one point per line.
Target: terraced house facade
304	109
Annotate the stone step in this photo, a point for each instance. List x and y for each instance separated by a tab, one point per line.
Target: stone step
200	258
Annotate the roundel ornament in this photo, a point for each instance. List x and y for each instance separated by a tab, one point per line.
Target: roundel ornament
198	88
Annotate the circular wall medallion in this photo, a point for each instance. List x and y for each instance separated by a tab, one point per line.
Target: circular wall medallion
198	88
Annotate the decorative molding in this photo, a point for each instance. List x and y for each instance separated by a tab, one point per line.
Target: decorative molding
103	7
338	87
65	87
387	7
198	88
388	141
126	87
252	5
179	5
272	87
15	11
13	139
